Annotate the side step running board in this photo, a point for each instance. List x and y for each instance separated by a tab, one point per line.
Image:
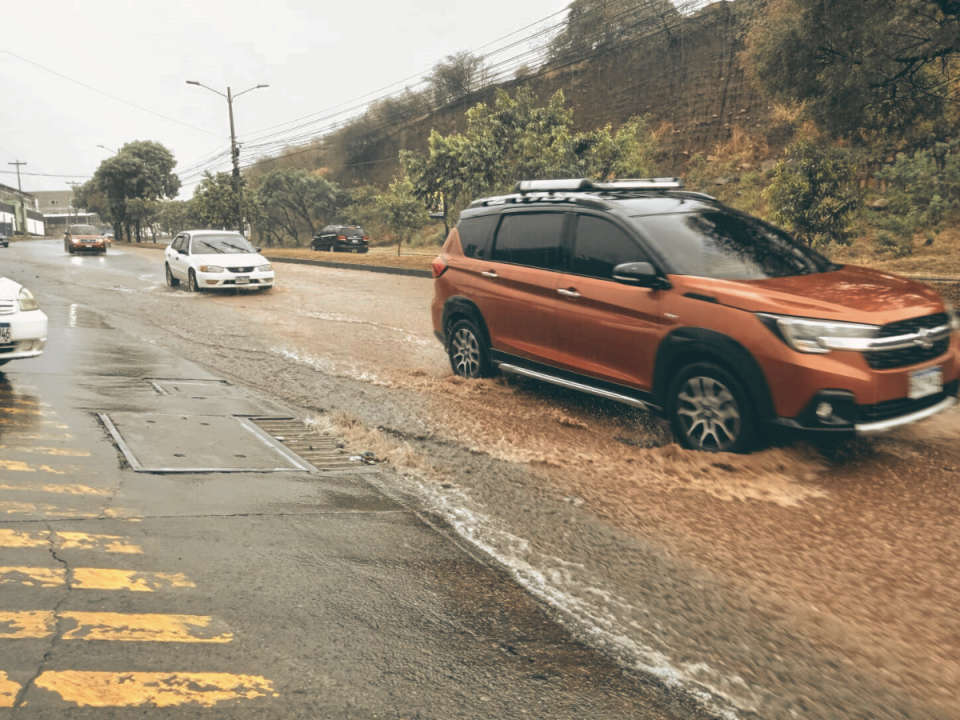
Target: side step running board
580	387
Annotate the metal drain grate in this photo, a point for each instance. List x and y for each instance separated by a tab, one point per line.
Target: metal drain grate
320	451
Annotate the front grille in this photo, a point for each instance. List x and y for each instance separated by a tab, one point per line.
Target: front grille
241	269
904	406
884	360
8	307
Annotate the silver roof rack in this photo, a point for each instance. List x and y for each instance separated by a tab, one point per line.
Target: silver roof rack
586	185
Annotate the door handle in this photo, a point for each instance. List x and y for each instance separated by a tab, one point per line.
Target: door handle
569	293
489	274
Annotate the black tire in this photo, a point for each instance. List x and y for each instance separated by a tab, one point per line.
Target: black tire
192	282
265	288
710	411
171	280
468	351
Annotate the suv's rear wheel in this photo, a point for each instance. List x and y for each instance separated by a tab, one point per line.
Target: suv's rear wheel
469	354
710	411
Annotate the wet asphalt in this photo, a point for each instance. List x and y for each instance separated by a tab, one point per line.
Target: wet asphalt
308	595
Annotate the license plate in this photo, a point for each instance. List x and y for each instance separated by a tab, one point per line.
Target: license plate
4	334
242	279
353	250
925	382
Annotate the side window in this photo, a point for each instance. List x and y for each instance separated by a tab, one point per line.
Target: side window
533	239
178	243
601	246
475	235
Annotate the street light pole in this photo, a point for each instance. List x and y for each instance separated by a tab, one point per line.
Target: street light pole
234	148
23	207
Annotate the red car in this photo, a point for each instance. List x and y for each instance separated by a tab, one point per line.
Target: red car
84	238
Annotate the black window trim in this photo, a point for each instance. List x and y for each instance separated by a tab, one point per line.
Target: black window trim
659	262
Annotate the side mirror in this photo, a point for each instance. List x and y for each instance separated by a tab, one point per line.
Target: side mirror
641	274
259	249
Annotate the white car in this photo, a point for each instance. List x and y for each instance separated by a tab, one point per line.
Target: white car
23	326
216	259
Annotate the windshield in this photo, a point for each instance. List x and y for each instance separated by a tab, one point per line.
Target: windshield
729	246
226	243
83	230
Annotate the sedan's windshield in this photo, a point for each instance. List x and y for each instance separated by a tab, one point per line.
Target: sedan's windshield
226	243
83	230
729	246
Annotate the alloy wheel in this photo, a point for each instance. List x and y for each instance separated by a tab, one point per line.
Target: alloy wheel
708	413
465	352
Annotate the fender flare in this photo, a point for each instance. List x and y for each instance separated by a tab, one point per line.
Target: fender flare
459	305
686	345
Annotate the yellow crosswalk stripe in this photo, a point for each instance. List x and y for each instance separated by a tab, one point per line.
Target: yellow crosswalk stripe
62	489
37	450
63	540
20	466
93	579
132	689
8	690
120	627
46	510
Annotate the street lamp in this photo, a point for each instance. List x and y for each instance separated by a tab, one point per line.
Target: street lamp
234	148
107	149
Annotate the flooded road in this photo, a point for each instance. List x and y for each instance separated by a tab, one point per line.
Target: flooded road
795	582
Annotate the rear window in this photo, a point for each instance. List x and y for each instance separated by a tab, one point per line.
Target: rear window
729	246
351	230
83	230
475	234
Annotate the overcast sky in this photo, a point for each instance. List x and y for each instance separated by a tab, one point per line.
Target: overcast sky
313	55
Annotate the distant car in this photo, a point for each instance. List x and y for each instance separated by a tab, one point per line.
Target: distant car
216	259
84	238
341	238
4	241
23	326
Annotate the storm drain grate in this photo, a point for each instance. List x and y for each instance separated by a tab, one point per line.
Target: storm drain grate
194	389
320	451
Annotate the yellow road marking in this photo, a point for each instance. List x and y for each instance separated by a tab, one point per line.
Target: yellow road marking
20	466
120	627
93	579
8	691
68	541
64	452
62	489
106	689
22	508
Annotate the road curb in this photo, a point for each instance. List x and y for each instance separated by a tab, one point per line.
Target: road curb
411	272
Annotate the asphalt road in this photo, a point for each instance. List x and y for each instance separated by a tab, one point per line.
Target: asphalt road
282	594
793	583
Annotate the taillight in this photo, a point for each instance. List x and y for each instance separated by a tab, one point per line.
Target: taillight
438	266
365	238
341	237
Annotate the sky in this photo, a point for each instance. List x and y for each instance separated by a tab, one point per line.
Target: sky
72	72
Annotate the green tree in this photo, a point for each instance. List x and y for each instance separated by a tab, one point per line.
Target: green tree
594	25
517	140
174	216
297	200
814	193
403	212
456	76
215	201
874	65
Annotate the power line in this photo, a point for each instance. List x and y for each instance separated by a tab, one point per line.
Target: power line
102	92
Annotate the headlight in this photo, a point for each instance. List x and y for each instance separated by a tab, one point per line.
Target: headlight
954	317
27	301
211	268
265	268
807	335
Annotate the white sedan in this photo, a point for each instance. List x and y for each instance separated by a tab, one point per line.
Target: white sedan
216	259
23	326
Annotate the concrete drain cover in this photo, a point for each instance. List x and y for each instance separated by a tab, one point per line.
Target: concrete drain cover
199	443
323	452
195	389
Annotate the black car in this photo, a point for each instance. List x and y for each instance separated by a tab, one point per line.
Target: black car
341	238
4	241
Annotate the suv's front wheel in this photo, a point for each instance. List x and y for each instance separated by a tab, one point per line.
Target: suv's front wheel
709	410
468	351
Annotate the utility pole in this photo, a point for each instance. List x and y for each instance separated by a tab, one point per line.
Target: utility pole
234	148
73	184
23	208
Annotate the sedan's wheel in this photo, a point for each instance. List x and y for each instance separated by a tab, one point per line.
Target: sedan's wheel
469	355
710	411
192	282
171	280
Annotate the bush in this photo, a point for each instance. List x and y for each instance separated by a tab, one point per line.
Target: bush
887	242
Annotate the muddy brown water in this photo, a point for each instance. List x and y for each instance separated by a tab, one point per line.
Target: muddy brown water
794	582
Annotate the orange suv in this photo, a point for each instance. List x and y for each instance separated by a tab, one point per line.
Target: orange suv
640	292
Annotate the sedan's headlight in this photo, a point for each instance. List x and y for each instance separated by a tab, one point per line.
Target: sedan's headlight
808	335
211	268
265	268
27	301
